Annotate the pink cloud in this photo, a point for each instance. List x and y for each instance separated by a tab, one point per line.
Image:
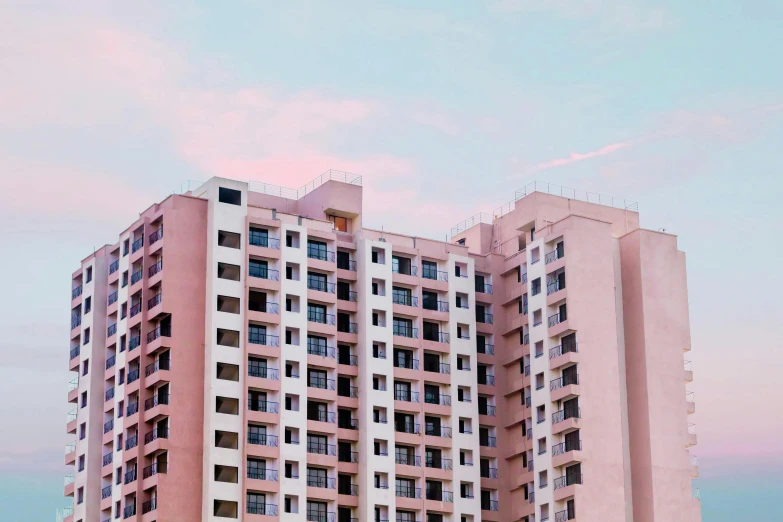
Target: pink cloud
576	157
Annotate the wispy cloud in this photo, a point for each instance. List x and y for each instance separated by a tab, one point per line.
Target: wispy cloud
576	157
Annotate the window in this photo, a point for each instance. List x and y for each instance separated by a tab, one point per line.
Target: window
229	239
429	270
86	335
82	430
89	274
125	247
226	271
316	250
343	260
81	462
87	305
230	196
84	399
85	367
341	224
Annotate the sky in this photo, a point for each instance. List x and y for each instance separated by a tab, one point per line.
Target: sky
445	108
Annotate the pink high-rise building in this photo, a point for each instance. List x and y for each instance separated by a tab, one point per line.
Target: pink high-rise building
268	357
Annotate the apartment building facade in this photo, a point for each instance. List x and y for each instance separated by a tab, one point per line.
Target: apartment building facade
285	362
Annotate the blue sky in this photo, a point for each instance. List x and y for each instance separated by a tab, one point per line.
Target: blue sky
445	108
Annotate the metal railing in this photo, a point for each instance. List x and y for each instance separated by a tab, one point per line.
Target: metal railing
407	427
402	361
137	276
135	309
438	494
485	318
262	439
260	240
157	433
150	505
154	269
76	321
405	331
405	299
112	299
412	271
313	252
108	394
76	292
563	516
321	448
262	406
322	416
553	287
262	474
129	511
487	349
130	476
442	399
405	491
75	352
438	463
347	295
108	426
263	372
438	337
346	265
488	442
133	375
160	364
159	331
407	396
565	447
153	470
263	339
557	351
317	316
490	505
406	459
154	300
556	319
552	256
488	410
433	274
132	408
156	400
315	348
321	286
136	245
114	266
565	414
263	272
158	234
568	479
352	327
489	380
562	382
107	459
322	383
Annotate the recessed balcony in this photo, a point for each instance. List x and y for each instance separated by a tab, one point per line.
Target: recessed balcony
262	406
262	338
407	427
487	441
154	469
437	463
76	292
406	395
157	433
404	491
157	235
136	245
321	448
262	439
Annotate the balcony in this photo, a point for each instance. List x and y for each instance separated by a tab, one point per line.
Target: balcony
562	382
157	235
262	474
76	321
154	469
554	286
321	286
262	439
350	327
108	395
565	447
404	491
443	400
557	351
563	516
436	306
438	463
488	380
135	309
156	400
76	292
263	339
262	372
444	368
315	348
440	495
321	448
438	337
483	288
129	511
553	256
348	456
262	272
407	427
112	298
405	331
408	363
490	473
314	252
257	508
488	410
407	460
349	264
348	489
349	391
316	316
433	274
411	270
487	349
150	505
133	408
75	352
108	426
136	245
157	433
405	299
114	266
347	295
347	360
488	442
437	431
484	318
154	301
568	480
133	375
130	476
560	416
262	406
106	492
262	240
108	458
317	515
406	396
322	383
556	319
160	331
154	269
136	277
160	364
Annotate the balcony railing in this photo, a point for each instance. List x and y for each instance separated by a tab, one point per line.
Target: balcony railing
488	442
440	495
150	505
136	245
160	364
530	465
75	352
565	447
316	515
409	363
261	240
114	266
322	416
136	276
263	272
130	476
112	298
156	400
321	448
407	396
262	406
322	383
438	337
489	380
316	316
531	498
321	286
437	463
553	287
314	348
563	516
263	372
490	472
348	391
129	511
556	319
348	489
263	339
568	480
76	292
351	327
556	384
490	505
106	492
407	460
405	331
107	459
348	360
320	254
436	306
557	351
483	288
404	491
485	318
160	331
348	456
108	395
347	295
258	508
262	439
405	300
407	427
135	309
133	375
413	270
158	234
154	301
157	433
437	431
132	408
76	321
153	470
346	265
488	349
262	474
444	368
443	400
554	255
488	410
570	413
